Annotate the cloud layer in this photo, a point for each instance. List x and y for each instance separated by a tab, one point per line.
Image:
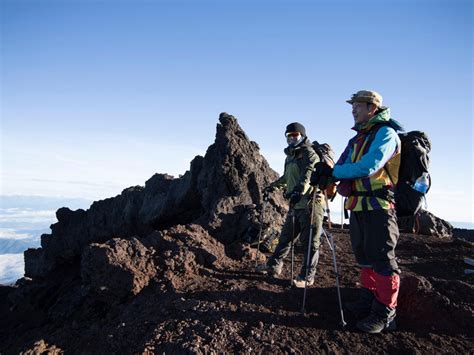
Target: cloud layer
12	267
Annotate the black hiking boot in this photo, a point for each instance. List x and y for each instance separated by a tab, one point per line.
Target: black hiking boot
380	318
361	308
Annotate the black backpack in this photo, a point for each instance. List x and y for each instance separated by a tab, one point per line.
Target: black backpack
325	152
414	162
415	147
326	155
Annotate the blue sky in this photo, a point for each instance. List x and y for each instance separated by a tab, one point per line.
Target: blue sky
97	96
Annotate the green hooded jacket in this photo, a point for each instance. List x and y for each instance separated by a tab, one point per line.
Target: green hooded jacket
382	117
299	164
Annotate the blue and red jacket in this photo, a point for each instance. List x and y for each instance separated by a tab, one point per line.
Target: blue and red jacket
368	167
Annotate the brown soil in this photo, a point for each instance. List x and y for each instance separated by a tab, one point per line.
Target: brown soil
207	305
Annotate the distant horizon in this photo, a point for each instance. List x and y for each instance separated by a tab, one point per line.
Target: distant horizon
77	201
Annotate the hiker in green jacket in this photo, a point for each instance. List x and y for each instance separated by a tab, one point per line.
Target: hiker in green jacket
299	164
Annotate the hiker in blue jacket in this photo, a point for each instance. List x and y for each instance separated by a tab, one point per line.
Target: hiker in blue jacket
368	173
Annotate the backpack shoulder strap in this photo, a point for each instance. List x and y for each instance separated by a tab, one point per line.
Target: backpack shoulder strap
371	138
373	133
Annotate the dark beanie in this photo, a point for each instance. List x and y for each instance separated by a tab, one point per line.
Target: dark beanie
296	127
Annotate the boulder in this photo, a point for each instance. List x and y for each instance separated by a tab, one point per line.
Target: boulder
117	269
425	223
183	251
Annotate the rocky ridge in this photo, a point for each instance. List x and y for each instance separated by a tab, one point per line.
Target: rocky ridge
221	192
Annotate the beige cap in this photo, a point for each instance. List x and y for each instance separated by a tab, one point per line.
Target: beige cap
369	96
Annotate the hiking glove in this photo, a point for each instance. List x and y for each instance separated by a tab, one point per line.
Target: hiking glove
322	175
295	197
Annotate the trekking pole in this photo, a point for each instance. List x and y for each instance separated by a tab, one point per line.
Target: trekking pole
328	211
292	245
262	215
342	212
332	246
308	253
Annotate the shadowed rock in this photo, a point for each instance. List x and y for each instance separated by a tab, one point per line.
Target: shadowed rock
422	307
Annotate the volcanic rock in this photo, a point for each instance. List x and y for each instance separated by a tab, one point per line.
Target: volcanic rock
222	191
426	223
232	180
183	252
429	224
117	268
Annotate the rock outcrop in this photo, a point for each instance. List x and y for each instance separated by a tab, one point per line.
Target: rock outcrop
426	223
222	191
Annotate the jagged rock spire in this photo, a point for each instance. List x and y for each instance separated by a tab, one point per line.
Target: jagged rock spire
221	192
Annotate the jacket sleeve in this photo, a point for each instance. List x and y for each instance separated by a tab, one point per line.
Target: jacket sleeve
310	158
383	147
